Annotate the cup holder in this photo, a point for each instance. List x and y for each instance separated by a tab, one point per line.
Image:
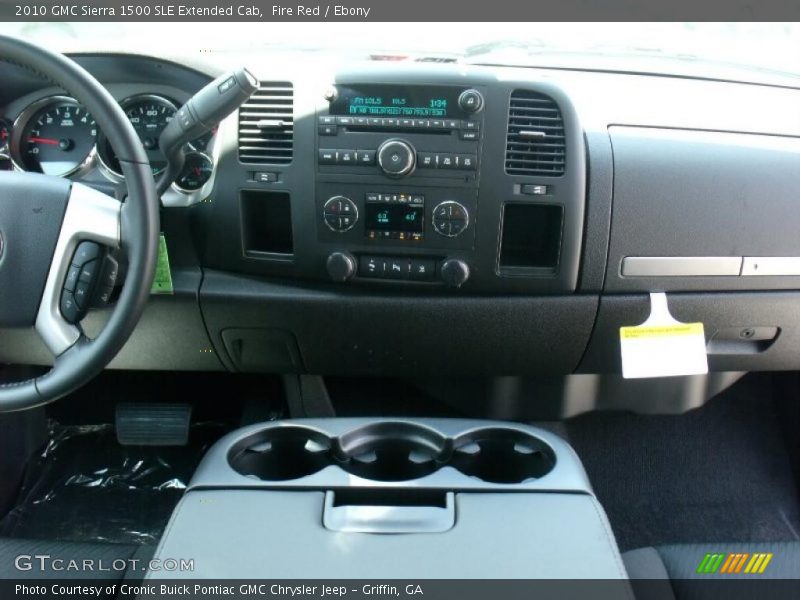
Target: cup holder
392	451
281	453
500	455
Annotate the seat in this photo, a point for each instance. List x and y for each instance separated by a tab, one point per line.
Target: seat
25	559
681	571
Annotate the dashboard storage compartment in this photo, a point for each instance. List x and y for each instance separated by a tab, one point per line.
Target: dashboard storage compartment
267	223
531	239
315	498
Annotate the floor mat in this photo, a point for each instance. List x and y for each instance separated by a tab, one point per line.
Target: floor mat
84	486
720	473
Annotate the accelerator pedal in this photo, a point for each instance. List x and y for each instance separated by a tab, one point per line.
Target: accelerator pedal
150	424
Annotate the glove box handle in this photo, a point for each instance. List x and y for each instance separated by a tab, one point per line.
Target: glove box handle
378	518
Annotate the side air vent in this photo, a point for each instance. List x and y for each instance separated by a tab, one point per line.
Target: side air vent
266	125
535	144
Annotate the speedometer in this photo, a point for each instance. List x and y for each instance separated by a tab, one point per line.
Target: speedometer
55	136
149	116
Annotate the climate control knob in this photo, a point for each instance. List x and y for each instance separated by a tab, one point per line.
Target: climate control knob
396	158
340	214
341	266
454	272
450	218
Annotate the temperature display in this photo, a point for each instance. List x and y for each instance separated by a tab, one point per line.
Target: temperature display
394	221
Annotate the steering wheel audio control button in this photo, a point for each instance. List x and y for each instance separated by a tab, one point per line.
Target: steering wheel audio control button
69	308
85	252
72	277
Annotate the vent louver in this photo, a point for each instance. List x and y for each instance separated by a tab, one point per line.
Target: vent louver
266	125
535	144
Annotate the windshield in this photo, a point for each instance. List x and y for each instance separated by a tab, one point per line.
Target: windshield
707	48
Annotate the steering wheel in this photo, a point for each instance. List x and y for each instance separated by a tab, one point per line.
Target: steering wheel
43	219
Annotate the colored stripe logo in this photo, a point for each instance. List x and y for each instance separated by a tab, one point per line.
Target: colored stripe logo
734	562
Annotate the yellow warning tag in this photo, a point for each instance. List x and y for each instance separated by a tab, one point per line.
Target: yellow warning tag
662	346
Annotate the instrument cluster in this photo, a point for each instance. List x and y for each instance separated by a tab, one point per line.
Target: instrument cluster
56	136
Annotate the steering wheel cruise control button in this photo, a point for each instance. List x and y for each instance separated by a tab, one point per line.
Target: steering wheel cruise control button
69	308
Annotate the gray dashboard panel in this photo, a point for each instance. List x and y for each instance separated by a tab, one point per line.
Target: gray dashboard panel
682	193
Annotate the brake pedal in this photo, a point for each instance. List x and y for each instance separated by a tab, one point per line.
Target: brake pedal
150	424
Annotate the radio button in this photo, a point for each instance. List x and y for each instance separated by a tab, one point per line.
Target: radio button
470	125
447	161
361	121
452	124
469	135
437	124
344	120
365	157
327	157
327	120
346	157
467	162
406	122
375	122
426	160
327	130
391	123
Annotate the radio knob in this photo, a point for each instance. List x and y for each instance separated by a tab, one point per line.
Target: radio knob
470	101
341	266
396	158
454	272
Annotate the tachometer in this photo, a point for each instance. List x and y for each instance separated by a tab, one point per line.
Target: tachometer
149	116
55	136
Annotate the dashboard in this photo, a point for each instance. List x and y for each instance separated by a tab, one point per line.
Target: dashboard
444	219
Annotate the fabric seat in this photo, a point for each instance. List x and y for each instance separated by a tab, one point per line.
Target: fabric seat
49	559
682	571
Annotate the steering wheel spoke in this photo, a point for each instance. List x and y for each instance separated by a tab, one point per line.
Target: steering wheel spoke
90	216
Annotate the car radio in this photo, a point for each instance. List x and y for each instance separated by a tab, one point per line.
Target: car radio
419	131
397	180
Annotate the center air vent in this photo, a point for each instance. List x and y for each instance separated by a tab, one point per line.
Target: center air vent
266	125
535	144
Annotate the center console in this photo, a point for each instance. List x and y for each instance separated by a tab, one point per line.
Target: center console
434	180
374	498
398	169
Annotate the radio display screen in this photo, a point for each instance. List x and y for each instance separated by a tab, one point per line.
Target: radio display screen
378	100
407	218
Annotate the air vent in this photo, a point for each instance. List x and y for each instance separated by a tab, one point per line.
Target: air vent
535	144
266	125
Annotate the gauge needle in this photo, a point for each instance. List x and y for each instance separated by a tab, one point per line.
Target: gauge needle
38	140
197	171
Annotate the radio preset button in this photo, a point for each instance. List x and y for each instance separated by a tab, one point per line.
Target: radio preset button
365	157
